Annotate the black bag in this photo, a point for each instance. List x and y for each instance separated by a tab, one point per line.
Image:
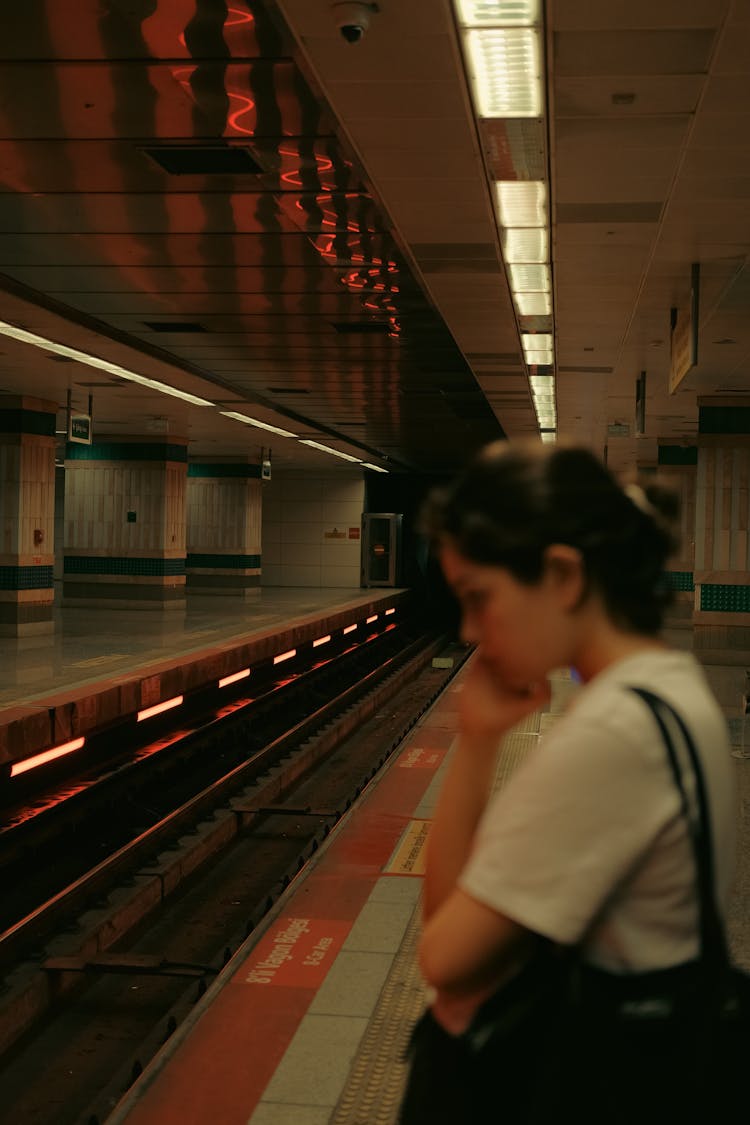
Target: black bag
565	1042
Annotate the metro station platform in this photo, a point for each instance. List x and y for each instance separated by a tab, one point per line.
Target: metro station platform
101	664
308	1023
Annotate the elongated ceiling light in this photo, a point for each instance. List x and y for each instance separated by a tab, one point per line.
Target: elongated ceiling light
95	361
327	449
502	41
255	422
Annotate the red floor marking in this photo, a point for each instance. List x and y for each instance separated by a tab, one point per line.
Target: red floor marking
421	758
296	953
219	1071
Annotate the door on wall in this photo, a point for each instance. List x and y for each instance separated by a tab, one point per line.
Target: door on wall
381	549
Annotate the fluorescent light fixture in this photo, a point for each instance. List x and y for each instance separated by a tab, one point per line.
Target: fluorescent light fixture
521	203
349	629
285	656
254	422
534	341
549	436
322	641
327	449
234	678
529	279
533	304
167	705
505	66
375	468
46	756
525	244
540	358
497	13
94	361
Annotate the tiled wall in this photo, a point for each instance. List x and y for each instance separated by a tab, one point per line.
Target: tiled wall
223	515
27	497
99	495
301	513
722	512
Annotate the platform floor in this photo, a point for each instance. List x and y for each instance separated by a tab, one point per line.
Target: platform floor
309	1025
93	644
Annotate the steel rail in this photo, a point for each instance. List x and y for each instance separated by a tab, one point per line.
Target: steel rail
37	925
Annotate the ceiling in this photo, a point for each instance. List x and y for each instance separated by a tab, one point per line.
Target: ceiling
331	264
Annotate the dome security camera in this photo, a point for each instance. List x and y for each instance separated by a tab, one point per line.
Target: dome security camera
353	18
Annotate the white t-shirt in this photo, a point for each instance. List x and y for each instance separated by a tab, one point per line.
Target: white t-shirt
587	843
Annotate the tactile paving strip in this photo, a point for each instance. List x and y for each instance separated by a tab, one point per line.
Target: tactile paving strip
376	1080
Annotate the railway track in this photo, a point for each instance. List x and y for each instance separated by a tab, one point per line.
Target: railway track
173	904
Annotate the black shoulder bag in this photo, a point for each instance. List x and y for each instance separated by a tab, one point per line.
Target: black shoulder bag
565	1042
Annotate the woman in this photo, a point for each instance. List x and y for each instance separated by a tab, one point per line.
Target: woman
554	566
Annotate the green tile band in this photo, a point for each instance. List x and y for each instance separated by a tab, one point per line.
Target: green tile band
126	451
20	421
724	420
678	454
236	470
152	568
725	599
679	580
26	577
235	562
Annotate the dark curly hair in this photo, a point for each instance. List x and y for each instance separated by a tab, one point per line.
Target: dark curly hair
513	501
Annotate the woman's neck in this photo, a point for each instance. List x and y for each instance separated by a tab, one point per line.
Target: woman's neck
605	644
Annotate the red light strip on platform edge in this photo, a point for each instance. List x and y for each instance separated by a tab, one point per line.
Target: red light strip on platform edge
157	710
389	611
349	629
285	656
370	620
46	756
234	678
321	641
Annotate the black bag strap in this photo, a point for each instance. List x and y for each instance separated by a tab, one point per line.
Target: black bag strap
713	942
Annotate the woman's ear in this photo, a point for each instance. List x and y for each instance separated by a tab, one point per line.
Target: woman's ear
565	570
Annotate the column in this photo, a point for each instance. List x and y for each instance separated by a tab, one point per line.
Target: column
125	523
678	466
27	515
722	537
223	527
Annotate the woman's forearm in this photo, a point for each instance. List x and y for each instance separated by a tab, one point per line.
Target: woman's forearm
462	799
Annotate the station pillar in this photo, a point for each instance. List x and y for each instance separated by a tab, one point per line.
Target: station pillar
27	515
678	466
721	615
125	523
223	527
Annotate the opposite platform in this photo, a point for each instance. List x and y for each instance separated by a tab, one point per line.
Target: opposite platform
101	665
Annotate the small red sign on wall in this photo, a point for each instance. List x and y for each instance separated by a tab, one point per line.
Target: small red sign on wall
354	533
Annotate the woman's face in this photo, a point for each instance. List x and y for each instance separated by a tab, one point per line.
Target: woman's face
524	631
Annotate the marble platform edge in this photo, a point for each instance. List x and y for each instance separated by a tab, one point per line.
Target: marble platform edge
30	727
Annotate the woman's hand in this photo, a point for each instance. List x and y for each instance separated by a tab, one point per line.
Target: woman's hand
490	707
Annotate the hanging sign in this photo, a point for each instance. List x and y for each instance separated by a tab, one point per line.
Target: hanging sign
79	428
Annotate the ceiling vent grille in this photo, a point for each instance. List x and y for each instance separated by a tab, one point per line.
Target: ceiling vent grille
205	160
608	212
586	370
174	326
362	327
289	390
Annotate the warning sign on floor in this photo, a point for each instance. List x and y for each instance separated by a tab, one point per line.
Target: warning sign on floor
421	758
408	858
297	952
